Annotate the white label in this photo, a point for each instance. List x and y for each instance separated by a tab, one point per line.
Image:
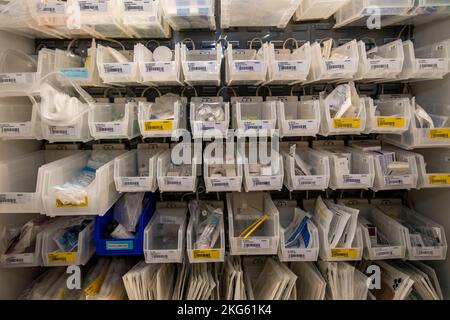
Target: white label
138	5
94	5
162	256
202	66
302	125
357	179
292	66
248	66
62	131
231	183
117	68
254	243
432	64
428	252
208	126
339	65
258	125
15	129
301	254
52	7
16	78
385	64
109	127
159	67
178	182
387	252
264	182
13	259
311	181
136	182
18	198
399	180
167	219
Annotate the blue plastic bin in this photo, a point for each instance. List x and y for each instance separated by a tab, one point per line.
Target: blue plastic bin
107	246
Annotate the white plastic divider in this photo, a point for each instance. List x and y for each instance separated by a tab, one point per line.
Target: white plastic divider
216	254
18	72
319	165
388	116
286	209
185	178
165	234
253	117
349	167
297	118
190	14
245	66
317	9
22	178
159	73
243	211
208	129
100	196
224	159
19	119
201	67
119	67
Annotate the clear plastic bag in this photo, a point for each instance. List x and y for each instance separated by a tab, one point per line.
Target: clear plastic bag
128	210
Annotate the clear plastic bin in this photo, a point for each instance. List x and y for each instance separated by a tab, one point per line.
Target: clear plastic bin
53	256
159	73
286	209
184	178
21	179
344	67
154	128
245	66
118	120
208	129
117	67
388	116
190	14
243	211
216	254
19	119
100	196
349	168
423	11
201	67
257	13
54	15
144	19
254	118
297	118
320	168
380	63
359	12
17	72
131	173
165	235
222	168
433	167
317	9
285	66
78	132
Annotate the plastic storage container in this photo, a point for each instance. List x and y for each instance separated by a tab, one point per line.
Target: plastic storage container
243	211
287	66
254	118
21	179
387	116
165	235
210	117
341	65
245	66
118	120
349	167
222	168
108	246
216	254
381	63
135	171
257	13
433	168
19	119
201	67
190	14
318	176
297	118
174	177
117	67
17	72
159	73
54	15
287	211
423	11
100	196
317	9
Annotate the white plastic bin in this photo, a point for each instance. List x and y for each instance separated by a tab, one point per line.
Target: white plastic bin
165	234
433	167
388	116
245	66
118	120
100	196
135	171
254	118
19	119
117	67
287	209
257	13
216	254
317	9
423	11
381	63
159	73
174	177
341	65
287	66
201	67
243	211
349	167
78	132
190	14
222	168
297	118
53	15
210	118
17	72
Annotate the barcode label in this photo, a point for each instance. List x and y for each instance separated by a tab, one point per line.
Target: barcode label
292	66
338	65
52	7
257	125
432	64
138	5
209	126
428	252
439	179
178	182
117	68
230	183
14	129
255	243
302	125
261	182
385	65
18	198
94	5
399	180
443	133
314	181
166	219
301	255
137	182
357	179
105	128
387	252
207	66
165	256
14	259
62	131
159	67
248	66
16	78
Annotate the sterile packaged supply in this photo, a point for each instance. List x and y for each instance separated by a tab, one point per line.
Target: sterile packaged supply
66	236
310	283
209	118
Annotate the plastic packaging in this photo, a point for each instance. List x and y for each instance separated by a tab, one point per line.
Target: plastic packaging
190	14
128	209
317	9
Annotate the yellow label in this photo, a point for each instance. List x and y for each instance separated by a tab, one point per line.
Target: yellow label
95	286
440	133
439	178
206	254
87	63
62	257
157	125
342	253
391	122
60	204
347	123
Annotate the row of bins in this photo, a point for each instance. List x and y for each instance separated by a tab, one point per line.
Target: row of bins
385	230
